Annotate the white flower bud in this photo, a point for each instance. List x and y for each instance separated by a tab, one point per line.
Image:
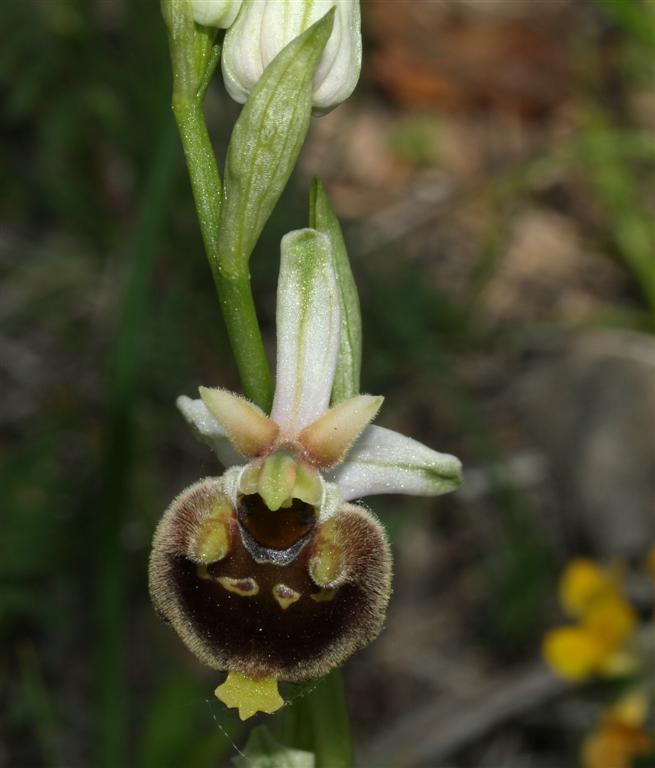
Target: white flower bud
216	13
265	27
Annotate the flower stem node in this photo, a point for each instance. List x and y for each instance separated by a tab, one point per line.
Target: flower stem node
249	696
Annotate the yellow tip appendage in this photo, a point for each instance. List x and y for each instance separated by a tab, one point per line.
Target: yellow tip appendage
249	696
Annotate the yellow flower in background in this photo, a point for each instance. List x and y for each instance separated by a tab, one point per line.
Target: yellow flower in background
593	645
582	583
604	640
621	736
573	652
615	745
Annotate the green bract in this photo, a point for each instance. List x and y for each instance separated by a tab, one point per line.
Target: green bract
349	361
266	141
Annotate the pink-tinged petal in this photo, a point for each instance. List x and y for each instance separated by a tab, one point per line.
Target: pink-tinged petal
307	330
208	430
248	428
328	438
384	461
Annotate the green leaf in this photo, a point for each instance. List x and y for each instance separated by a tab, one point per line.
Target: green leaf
349	361
263	751
266	142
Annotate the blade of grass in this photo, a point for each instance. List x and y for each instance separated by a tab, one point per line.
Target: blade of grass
43	710
125	367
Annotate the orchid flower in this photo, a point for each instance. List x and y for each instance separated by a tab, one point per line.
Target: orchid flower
269	572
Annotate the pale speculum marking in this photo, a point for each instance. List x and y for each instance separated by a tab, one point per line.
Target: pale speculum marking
245	587
285	596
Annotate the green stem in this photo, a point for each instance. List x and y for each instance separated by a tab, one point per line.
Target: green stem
319	723
233	287
327	712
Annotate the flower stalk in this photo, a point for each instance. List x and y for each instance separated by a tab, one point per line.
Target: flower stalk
195	53
233	285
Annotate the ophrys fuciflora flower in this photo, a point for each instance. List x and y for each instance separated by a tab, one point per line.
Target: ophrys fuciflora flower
269	572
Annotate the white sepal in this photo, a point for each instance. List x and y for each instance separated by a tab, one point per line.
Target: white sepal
307	331
208	430
384	461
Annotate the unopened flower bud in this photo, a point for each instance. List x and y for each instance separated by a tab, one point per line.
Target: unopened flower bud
265	27
216	13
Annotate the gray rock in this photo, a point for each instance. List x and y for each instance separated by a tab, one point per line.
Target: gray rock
591	408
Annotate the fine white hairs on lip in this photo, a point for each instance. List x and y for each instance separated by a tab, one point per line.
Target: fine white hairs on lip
384	461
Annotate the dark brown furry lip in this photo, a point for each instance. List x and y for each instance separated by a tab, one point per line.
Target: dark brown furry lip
251	631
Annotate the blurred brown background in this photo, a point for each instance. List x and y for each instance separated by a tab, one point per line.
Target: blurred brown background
494	173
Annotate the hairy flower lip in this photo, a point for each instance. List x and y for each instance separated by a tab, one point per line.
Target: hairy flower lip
253	634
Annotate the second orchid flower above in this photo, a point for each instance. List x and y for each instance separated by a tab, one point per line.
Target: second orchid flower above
270	572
